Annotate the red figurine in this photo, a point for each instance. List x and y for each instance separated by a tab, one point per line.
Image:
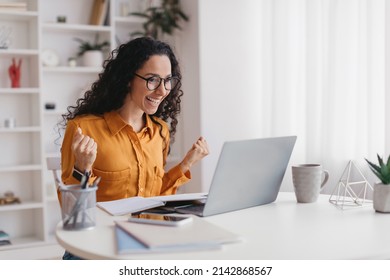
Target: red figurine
14	73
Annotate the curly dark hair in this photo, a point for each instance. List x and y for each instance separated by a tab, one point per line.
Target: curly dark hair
108	92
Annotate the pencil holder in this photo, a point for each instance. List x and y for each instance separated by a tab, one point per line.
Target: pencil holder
78	207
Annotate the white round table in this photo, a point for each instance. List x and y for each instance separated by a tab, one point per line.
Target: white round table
284	229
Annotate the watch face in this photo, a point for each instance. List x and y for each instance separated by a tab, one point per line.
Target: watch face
50	58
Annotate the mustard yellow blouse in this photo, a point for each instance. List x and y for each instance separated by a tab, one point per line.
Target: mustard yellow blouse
129	163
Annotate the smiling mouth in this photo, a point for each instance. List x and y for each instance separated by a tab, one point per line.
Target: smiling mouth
154	101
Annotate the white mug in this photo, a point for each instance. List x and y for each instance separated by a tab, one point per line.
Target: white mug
308	181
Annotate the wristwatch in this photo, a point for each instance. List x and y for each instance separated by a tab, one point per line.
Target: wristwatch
78	174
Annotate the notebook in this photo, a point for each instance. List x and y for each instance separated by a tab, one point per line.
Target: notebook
127	244
137	203
248	173
198	234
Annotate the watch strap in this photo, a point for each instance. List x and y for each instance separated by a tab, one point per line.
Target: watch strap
79	175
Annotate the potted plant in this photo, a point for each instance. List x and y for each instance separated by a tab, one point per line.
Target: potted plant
381	197
161	20
92	53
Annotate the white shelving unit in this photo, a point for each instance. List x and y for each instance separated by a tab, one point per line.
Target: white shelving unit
24	148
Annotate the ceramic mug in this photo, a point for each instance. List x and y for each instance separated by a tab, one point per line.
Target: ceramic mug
308	181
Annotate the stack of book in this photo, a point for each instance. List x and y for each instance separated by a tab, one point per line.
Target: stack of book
4	238
137	203
100	12
147	238
13	6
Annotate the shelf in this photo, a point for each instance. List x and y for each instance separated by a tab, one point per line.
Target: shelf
20	129
21	206
75	27
54	112
22	243
129	20
78	69
23	167
18	91
19	15
19	52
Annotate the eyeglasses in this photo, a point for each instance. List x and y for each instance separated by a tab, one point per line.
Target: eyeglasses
154	82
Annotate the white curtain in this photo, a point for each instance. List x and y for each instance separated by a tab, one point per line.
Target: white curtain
323	79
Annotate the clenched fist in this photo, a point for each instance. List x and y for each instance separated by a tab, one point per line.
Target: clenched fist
85	150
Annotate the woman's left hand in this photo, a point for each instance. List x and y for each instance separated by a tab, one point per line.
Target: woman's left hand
198	151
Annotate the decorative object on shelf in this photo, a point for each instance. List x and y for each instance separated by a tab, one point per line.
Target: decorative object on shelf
50	58
61	19
352	188
50	106
4	238
13	6
92	58
124	9
161	20
9	122
100	12
9	198
381	196
5	36
92	53
14	73
72	62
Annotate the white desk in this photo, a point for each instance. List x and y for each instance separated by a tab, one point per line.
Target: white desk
284	229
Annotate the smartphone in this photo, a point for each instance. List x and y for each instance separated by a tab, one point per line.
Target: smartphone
159	219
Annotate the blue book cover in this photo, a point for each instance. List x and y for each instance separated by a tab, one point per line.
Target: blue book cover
127	244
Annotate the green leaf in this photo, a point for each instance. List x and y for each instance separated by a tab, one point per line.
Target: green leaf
139	15
183	16
162	19
382	171
373	166
87	46
380	160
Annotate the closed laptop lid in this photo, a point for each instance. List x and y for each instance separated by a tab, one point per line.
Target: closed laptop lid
248	173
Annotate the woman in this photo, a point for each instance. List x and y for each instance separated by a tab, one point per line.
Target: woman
121	129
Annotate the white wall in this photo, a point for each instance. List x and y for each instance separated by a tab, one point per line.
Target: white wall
222	58
189	59
387	50
223	80
230	89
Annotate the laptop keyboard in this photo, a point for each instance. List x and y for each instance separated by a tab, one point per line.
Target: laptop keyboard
191	209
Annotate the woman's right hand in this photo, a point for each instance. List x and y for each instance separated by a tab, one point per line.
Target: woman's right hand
85	150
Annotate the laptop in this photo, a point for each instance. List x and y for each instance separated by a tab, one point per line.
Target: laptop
248	173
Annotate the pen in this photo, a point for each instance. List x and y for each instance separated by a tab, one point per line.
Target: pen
96	182
85	202
84	184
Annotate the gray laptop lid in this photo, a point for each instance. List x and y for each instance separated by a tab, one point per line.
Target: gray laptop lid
248	173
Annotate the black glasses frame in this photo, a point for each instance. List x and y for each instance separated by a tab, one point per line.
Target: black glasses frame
161	79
